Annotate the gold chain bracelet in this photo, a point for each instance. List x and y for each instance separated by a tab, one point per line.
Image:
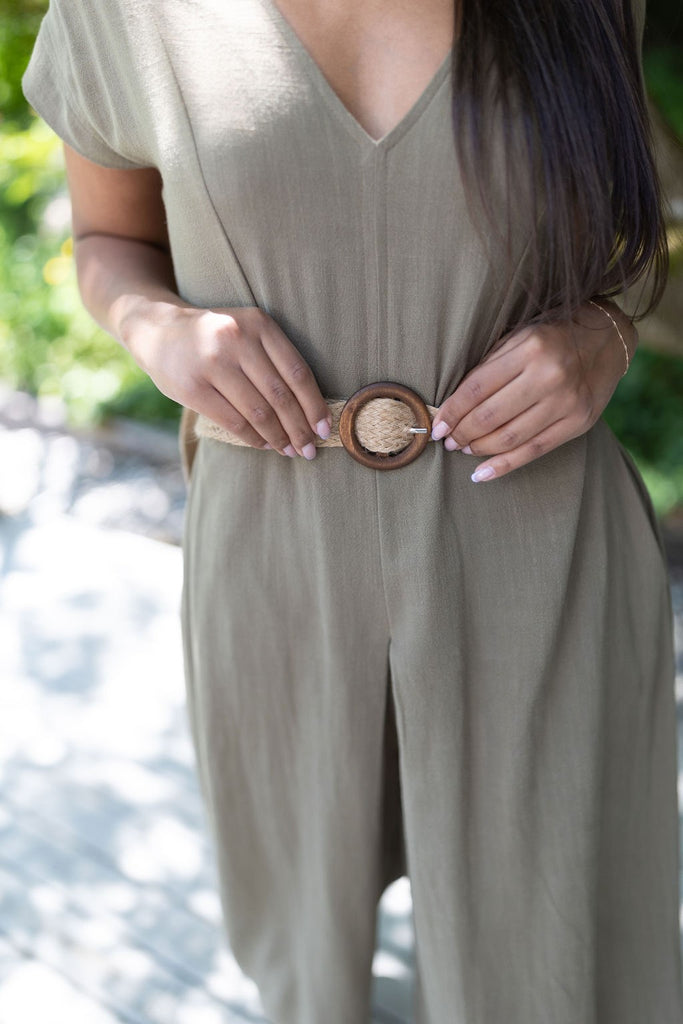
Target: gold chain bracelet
616	325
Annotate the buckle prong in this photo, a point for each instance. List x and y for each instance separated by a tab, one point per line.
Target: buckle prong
401	393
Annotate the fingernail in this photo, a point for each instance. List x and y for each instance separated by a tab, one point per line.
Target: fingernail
440	430
267	446
309	451
483	473
289	450
467	450
322	429
451	445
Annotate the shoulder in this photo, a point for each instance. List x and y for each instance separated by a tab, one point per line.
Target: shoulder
86	77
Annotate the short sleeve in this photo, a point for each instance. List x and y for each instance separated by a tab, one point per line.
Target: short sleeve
83	79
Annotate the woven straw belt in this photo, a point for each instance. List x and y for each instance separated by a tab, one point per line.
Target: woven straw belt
382	425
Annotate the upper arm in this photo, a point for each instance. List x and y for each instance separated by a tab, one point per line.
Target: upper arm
125	203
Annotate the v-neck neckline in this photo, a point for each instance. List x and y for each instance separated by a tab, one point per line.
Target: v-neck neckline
332	98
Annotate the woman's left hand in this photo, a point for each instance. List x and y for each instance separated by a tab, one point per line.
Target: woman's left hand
536	389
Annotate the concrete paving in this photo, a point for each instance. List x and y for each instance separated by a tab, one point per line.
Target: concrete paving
108	903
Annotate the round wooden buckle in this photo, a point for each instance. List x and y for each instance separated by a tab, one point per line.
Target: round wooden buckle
379	460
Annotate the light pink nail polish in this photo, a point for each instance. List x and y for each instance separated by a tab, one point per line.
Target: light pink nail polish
440	430
450	444
290	450
484	473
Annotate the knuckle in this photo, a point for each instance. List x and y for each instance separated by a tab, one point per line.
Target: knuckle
280	393
534	344
472	389
236	424
556	374
228	331
538	447
485	415
300	372
510	438
260	414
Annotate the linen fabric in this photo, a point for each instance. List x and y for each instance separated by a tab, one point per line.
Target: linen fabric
391	672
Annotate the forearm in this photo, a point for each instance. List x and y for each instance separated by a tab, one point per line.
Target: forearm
125	284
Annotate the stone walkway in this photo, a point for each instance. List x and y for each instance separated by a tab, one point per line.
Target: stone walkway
108	903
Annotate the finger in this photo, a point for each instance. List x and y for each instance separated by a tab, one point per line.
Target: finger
477	386
515	432
213	404
499	465
299	377
511	401
256	410
281	404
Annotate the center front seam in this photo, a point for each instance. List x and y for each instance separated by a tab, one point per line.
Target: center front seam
376	260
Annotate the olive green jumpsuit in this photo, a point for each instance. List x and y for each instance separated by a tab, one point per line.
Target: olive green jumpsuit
520	629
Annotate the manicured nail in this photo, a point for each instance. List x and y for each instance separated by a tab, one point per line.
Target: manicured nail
451	445
440	430
267	446
309	451
322	429
289	450
483	473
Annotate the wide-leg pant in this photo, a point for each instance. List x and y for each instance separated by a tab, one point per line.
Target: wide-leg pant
519	632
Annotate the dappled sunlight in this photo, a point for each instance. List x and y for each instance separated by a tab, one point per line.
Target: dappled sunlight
393	965
107	877
35	992
397	906
53	472
158	849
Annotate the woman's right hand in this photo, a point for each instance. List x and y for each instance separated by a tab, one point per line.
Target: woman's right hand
237	367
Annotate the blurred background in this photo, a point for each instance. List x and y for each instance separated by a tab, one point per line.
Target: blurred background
108	899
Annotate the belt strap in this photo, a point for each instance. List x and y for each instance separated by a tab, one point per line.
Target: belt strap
382	425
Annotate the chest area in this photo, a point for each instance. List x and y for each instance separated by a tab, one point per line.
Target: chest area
377	58
248	100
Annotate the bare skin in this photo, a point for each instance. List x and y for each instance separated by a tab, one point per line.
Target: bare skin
378	55
534	390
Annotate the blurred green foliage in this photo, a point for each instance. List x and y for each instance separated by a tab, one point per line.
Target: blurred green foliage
19	21
663	68
50	346
646	414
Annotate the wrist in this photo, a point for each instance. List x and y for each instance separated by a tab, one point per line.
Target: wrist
619	327
138	321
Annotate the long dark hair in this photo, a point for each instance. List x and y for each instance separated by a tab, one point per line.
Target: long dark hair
569	91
